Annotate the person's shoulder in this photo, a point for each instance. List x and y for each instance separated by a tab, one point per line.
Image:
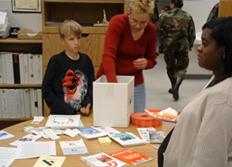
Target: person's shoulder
120	19
57	57
185	14
220	94
85	57
151	27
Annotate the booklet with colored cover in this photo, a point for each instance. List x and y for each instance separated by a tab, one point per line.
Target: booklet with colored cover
102	160
126	139
91	132
150	135
130	156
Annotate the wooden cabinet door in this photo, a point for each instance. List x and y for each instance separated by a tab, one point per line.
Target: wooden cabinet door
92	45
52	45
225	7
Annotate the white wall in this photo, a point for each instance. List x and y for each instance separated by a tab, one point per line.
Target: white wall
23	20
199	9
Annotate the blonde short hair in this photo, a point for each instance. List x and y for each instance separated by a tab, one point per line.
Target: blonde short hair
142	6
69	27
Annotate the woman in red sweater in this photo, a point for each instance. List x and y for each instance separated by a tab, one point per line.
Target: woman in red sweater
130	46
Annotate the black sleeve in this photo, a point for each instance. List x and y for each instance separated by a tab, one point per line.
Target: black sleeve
90	78
54	101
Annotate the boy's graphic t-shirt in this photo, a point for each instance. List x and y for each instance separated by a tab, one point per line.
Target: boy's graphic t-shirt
75	88
67	84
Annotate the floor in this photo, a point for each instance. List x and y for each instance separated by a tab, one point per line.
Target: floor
157	85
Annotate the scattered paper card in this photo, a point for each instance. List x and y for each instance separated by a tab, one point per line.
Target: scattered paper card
104	140
150	135
107	129
102	160
130	156
73	147
168	115
71	132
5	135
63	121
126	139
37	119
7	156
36	149
27	138
49	161
91	133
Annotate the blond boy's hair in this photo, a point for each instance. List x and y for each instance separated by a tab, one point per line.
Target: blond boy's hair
69	27
142	6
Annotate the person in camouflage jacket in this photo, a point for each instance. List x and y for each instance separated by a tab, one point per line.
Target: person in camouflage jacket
177	30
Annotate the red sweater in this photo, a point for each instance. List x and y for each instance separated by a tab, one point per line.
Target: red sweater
120	50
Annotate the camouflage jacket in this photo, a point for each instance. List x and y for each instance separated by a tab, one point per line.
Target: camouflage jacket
177	30
213	13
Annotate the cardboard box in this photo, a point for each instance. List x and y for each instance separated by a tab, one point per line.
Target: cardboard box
113	103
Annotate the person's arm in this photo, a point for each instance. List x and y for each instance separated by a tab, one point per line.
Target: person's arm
54	102
88	100
111	43
191	33
214	138
151	49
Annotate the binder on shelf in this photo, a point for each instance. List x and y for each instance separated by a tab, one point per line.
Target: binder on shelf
15	58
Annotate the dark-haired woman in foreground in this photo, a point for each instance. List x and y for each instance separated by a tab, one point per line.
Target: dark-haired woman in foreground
203	134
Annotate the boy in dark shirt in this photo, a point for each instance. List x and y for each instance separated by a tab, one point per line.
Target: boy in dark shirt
67	84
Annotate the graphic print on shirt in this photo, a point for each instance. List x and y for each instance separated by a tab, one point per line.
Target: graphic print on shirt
75	88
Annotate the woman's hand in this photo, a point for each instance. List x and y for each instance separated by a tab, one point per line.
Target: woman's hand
140	63
85	110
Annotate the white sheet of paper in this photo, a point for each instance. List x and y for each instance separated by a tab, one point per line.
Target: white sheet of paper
7	156
53	161
27	138
73	147
37	119
5	135
36	149
71	133
2	18
51	134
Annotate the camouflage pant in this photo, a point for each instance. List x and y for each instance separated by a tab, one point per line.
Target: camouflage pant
176	63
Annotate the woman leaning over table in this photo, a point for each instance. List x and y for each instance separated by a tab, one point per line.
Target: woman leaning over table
129	47
202	136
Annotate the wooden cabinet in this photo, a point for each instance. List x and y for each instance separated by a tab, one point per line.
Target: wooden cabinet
12	52
225	8
85	12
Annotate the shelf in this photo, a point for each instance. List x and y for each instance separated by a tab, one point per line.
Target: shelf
85	29
15	119
15	40
20	86
87	13
84	1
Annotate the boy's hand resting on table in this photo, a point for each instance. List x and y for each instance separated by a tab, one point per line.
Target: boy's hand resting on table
140	63
85	110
